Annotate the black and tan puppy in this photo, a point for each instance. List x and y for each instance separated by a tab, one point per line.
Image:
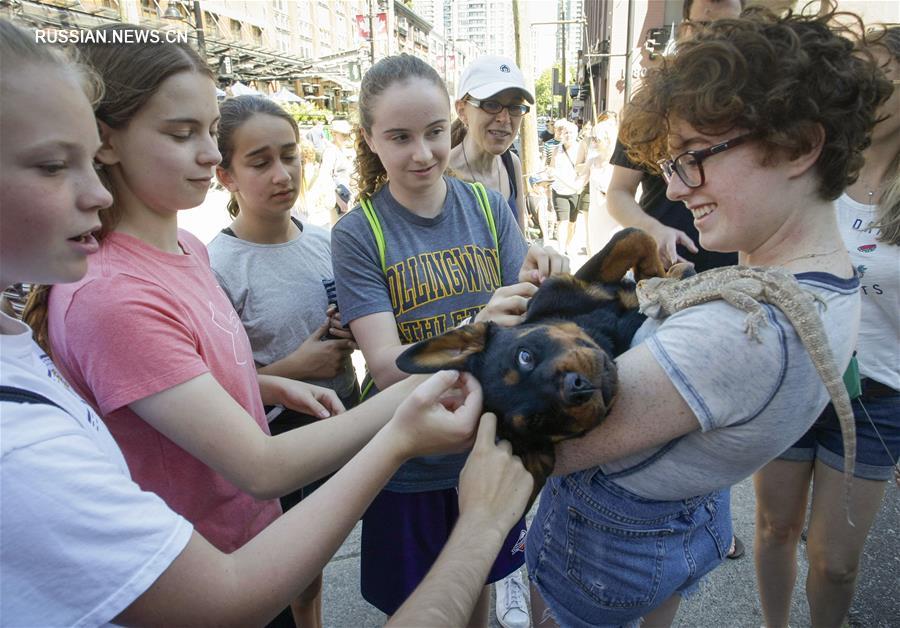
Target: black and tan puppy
553	376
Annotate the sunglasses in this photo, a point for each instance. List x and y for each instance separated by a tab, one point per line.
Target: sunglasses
689	164
493	107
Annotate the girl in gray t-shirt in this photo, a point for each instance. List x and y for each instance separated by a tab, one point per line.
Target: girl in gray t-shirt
276	272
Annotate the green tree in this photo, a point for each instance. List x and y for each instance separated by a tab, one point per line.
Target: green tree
544	99
543	91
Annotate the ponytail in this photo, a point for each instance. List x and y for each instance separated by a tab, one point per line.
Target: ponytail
369	173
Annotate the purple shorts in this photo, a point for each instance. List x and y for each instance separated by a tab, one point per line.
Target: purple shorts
402	535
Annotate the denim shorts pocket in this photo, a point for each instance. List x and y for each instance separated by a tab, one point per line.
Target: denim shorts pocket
718	530
616	566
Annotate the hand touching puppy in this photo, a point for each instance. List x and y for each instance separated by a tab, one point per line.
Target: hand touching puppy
494	485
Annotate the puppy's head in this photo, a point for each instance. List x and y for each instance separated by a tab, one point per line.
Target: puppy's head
545	381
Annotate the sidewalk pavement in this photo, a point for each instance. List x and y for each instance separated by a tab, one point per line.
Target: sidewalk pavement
728	597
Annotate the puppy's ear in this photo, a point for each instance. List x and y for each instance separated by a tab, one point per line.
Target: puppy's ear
450	350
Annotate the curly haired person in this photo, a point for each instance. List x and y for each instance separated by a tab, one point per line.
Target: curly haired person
758	124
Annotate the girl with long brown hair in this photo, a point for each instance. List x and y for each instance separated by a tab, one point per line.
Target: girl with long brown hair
422	253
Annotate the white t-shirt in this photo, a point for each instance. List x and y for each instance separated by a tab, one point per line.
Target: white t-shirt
79	541
565	179
878	265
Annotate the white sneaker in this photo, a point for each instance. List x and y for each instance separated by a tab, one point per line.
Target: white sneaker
512	601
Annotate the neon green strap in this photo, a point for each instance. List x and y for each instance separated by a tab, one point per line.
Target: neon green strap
367	386
483	202
372	217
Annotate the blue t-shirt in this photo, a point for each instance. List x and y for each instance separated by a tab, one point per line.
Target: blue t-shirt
440	271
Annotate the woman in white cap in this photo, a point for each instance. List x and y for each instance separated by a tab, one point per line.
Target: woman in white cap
491	101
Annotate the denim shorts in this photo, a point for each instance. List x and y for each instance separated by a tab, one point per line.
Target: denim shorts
602	556
823	440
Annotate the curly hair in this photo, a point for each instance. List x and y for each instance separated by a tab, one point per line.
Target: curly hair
783	79
370	174
234	112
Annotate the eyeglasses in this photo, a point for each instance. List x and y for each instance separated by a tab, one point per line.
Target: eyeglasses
689	164
493	107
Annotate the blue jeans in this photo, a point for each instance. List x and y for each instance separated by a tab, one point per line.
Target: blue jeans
602	556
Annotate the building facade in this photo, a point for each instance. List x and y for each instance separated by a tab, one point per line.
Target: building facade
306	47
488	24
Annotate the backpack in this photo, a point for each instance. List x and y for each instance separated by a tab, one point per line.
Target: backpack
372	217
20	395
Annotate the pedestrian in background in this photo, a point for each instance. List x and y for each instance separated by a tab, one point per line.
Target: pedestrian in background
550	139
597	149
568	182
538	202
337	162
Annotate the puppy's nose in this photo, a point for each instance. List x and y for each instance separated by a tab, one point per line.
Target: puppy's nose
577	388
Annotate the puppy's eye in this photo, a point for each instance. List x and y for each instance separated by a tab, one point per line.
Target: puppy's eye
525	359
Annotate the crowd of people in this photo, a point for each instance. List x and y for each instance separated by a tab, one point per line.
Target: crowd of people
183	431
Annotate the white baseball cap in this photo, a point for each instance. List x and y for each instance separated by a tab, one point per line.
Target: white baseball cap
490	75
